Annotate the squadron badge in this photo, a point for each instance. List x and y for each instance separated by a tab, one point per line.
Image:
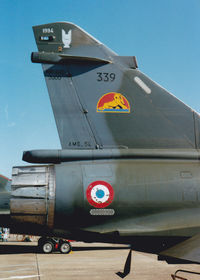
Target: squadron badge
100	194
113	102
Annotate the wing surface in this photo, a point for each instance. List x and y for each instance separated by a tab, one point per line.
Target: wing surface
188	250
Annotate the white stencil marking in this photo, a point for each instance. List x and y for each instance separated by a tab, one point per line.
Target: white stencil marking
66	38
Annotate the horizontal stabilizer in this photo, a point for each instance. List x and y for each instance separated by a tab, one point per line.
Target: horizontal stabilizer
188	250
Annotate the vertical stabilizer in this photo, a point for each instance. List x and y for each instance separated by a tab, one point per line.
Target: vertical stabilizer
101	100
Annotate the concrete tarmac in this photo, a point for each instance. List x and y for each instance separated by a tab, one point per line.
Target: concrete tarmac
87	261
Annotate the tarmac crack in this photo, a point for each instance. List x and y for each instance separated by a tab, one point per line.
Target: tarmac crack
37	265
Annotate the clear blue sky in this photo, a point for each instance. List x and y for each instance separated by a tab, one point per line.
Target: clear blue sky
164	35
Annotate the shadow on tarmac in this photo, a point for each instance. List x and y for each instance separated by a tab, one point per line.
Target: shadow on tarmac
96	248
17	249
24	249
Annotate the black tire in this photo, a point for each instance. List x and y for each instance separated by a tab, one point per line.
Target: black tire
65	247
47	247
41	241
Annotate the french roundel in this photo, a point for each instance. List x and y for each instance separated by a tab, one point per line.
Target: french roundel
100	194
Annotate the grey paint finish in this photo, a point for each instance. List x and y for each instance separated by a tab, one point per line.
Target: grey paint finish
187	250
151	198
67	155
149	155
147	192
69	196
64	99
156	119
80	44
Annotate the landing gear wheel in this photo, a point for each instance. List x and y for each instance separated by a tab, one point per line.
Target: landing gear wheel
47	247
65	247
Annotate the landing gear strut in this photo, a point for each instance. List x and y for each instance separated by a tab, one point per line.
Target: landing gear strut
47	245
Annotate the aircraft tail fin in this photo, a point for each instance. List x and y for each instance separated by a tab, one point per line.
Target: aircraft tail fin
101	100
